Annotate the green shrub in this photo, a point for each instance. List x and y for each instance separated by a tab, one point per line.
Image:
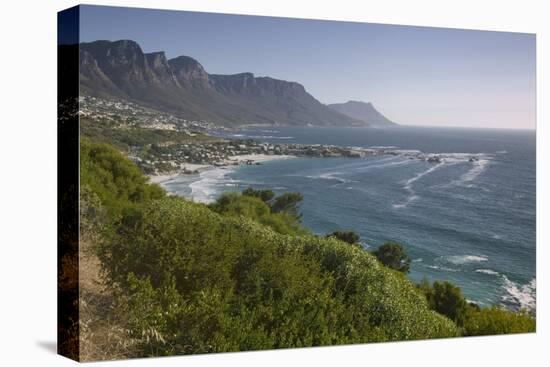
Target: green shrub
117	182
287	203
346	236
264	195
254	207
495	320
446	299
236	204
237	285
393	256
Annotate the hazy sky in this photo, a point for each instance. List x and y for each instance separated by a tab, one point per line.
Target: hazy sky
414	75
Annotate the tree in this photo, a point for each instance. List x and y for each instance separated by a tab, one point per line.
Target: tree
427	290
264	195
446	299
287	203
253	207
346	236
393	256
232	203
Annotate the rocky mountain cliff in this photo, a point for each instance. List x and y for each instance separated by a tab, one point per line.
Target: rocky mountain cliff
362	111
181	86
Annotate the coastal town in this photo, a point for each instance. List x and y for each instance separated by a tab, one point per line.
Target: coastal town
122	112
171	157
160	159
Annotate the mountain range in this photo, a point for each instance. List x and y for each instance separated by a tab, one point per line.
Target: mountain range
181	86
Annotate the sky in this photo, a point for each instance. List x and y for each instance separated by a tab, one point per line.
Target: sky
413	75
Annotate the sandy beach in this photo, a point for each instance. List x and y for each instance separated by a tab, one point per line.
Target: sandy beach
187	168
191	168
256	158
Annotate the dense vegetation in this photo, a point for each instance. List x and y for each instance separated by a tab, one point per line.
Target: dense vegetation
280	213
116	180
448	300
495	320
243	274
347	236
393	256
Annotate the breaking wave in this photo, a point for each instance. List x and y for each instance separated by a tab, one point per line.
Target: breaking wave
444	268
518	296
487	271
207	187
330	176
478	168
408	186
383	147
465	259
269	137
389	163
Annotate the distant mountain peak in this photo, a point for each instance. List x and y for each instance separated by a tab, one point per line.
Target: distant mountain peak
364	111
353	102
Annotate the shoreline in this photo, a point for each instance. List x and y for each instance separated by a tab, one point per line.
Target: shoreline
196	169
209	175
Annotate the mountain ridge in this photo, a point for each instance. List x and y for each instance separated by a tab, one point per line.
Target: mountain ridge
181	86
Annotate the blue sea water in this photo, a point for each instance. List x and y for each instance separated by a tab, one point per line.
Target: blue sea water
472	223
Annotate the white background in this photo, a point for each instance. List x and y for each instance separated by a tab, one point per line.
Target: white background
28	182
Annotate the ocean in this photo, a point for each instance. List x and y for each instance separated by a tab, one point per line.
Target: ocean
471	222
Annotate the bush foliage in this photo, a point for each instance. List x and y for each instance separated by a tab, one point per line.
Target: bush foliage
495	320
242	274
209	283
447	299
393	256
347	236
117	181
254	206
